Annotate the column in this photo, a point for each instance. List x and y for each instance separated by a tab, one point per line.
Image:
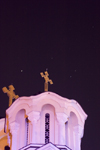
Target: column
33	117
78	131
14	127
62	118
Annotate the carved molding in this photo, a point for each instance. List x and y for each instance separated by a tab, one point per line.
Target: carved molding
14	126
62	118
34	116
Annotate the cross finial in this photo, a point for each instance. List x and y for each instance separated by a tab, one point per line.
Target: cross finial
46	80
10	93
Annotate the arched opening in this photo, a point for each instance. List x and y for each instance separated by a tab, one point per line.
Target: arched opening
47	121
70	125
23	127
47	128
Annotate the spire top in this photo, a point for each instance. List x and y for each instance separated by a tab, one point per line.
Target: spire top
45	76
10	93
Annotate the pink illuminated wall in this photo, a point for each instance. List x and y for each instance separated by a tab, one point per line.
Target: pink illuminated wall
65	125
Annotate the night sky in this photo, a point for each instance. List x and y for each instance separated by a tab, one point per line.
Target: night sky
61	37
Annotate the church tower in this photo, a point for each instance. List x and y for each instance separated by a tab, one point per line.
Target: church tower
45	122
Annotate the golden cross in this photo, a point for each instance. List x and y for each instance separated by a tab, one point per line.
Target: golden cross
10	93
46	80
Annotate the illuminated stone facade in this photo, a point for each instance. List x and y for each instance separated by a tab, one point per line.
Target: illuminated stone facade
45	122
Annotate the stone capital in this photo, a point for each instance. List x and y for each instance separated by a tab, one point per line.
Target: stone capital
33	116
62	118
14	126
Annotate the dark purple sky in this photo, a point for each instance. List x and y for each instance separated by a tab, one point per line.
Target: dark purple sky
62	36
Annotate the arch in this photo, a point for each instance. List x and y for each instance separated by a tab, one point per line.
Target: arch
61	105
47	109
73	119
70	139
16	109
22	132
44	102
72	109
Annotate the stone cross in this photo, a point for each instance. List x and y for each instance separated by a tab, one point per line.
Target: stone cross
46	80
10	93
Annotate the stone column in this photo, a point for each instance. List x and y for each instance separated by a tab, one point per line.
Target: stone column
33	117
62	118
78	131
14	127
